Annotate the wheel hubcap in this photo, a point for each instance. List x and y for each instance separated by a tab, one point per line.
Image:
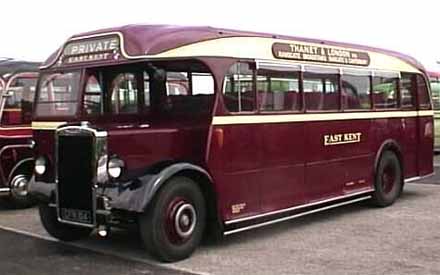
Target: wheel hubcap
185	220
181	220
19	186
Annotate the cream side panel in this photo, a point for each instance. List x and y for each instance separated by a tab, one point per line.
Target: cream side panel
46	125
253	119
261	48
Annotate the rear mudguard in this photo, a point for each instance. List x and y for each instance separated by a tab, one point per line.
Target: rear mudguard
135	195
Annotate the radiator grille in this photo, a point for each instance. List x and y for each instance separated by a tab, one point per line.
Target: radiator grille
75	179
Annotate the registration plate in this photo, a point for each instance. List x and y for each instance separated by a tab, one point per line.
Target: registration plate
76	215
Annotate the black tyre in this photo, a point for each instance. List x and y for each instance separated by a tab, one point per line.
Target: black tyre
174	223
19	196
59	230
389	180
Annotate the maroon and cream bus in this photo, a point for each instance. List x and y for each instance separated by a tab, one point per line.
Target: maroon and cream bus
16	145
187	130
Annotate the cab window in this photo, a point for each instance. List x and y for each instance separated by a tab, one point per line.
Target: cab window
187	93
93	96
124	94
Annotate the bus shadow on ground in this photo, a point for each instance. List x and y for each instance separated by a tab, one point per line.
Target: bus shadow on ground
127	242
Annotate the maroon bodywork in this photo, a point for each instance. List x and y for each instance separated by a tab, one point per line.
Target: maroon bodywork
262	167
16	145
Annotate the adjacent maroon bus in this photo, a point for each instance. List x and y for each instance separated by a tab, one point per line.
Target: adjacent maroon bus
187	130
434	79
16	154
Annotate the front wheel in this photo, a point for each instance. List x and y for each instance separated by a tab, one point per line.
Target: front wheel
174	223
389	180
61	231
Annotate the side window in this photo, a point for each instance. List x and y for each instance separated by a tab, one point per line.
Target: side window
239	93
407	91
93	104
435	93
124	91
19	101
385	91
147	100
202	84
278	91
423	93
177	83
321	91
189	93
356	90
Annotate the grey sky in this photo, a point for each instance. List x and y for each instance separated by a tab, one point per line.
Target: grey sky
31	30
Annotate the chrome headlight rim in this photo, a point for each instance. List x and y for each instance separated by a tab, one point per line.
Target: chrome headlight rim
40	166
115	167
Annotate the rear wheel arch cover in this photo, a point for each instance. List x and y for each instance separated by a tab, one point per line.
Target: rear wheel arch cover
392	145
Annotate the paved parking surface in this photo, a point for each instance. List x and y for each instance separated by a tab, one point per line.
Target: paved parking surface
402	239
21	254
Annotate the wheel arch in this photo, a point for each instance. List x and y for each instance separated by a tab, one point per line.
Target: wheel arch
205	183
26	163
393	146
203	180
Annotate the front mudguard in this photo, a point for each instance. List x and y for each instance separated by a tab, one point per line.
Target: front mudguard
136	194
133	195
42	191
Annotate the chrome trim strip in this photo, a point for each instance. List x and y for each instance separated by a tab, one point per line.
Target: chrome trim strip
294	216
297	207
419	178
76	223
5	190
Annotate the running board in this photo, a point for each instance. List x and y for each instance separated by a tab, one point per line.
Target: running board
293	216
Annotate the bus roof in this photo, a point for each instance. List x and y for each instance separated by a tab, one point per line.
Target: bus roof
10	67
157	41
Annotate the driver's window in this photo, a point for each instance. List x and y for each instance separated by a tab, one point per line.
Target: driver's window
93	97
124	94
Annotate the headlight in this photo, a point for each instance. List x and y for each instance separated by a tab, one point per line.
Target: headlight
115	167
40	166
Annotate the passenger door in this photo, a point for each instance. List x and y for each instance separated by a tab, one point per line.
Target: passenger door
408	91
426	129
324	170
279	97
235	155
339	159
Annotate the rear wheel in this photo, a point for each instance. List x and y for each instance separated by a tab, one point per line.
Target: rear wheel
19	196
61	231
388	181
173	225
